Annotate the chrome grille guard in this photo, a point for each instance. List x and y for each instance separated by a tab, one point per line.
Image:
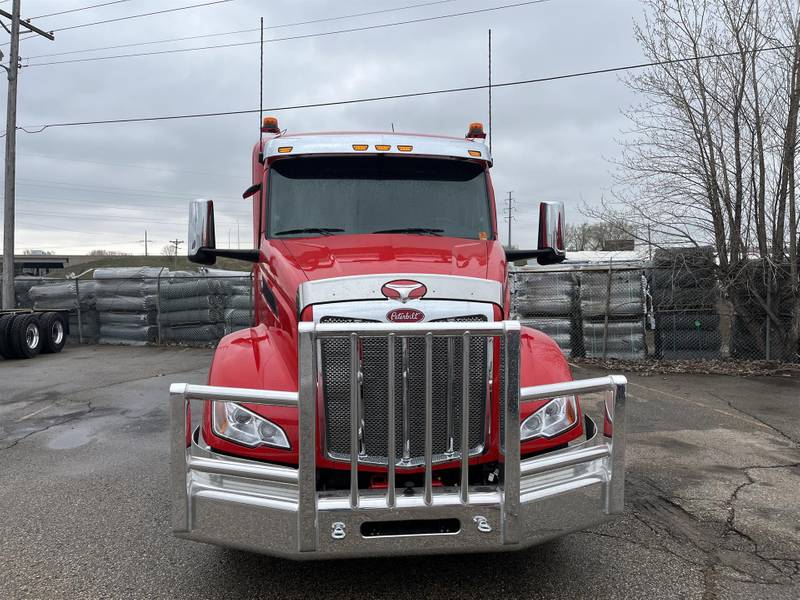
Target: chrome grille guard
208	487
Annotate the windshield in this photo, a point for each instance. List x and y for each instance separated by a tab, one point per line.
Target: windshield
313	196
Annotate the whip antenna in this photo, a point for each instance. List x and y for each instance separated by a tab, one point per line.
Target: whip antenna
261	86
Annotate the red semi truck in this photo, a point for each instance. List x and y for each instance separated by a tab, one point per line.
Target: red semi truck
365	413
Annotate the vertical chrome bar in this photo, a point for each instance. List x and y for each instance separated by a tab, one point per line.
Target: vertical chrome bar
428	497
307	436
451	350
180	432
406	432
615	488
354	419
391	455
511	467
465	419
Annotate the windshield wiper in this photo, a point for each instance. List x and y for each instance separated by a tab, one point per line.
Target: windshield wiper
419	230
319	230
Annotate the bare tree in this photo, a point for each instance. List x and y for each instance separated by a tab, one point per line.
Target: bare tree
168	249
711	154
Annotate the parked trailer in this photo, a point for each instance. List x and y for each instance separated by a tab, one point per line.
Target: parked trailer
24	333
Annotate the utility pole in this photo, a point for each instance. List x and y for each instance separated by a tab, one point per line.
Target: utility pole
145	242
9	298
176	243
509	210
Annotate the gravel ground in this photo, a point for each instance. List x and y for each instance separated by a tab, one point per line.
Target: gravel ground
712	505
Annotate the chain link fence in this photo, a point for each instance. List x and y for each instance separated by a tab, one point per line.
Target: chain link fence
670	308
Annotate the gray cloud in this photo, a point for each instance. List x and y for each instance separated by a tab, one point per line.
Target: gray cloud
550	139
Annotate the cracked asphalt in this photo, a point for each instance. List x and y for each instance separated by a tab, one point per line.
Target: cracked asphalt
712	502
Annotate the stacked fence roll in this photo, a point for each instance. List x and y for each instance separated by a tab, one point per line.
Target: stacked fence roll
75	295
612	313
126	303
547	301
685	297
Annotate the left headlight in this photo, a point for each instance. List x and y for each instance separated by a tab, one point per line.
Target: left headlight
552	419
234	422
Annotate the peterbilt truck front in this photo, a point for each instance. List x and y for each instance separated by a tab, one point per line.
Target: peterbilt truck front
383	402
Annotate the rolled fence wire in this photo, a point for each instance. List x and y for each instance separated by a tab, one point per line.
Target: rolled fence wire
670	309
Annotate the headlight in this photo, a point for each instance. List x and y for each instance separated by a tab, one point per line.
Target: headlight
237	424
553	418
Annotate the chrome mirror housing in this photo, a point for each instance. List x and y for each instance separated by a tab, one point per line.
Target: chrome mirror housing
201	237
551	233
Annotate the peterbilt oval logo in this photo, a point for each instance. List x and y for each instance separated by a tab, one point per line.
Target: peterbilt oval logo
405	315
404	290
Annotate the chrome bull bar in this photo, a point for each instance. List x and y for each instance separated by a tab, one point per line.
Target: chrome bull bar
202	478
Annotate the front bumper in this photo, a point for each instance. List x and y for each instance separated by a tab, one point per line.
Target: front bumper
278	510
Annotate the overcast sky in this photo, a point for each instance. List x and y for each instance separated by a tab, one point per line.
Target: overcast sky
102	186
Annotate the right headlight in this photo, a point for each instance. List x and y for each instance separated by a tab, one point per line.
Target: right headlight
234	422
550	420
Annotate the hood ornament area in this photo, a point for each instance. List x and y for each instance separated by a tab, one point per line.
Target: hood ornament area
404	290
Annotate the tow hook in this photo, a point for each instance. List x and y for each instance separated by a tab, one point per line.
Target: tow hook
338	530
483	524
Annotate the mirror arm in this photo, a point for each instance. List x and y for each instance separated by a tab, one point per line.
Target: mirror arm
208	256
547	256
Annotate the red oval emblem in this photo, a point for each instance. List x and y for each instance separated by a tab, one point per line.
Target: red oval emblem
404	290
405	315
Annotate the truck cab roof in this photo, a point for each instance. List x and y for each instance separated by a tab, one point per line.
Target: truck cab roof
295	144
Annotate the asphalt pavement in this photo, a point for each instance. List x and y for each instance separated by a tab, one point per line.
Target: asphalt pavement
712	503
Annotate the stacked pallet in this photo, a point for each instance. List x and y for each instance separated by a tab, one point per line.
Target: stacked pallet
547	301
685	294
612	314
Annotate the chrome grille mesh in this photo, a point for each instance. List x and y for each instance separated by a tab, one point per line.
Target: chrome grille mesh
410	402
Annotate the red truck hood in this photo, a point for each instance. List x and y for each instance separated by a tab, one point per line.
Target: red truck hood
342	255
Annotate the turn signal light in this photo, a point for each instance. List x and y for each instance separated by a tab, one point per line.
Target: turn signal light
382	147
476	131
405	148
285	149
474	152
270	125
360	147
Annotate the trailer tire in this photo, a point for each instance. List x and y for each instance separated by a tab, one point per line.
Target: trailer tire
6	350
53	331
25	336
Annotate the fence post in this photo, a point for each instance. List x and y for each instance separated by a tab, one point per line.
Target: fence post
608	310
158	304
78	305
767	340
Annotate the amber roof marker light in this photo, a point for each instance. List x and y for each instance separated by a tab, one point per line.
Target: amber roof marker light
270	125
476	131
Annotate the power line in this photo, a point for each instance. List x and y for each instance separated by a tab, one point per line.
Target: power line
414	94
252	30
136	16
287	38
72	10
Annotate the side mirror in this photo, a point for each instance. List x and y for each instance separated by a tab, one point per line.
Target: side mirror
550	249
551	233
202	239
201	232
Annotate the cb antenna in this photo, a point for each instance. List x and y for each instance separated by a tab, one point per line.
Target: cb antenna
491	131
261	86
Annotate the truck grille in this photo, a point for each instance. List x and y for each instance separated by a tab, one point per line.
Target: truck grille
410	403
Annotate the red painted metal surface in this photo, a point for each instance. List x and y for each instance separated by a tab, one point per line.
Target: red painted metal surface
265	356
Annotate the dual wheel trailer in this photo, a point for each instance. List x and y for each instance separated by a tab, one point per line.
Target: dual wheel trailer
24	333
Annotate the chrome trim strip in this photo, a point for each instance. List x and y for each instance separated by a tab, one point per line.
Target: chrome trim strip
451	348
391	458
267	472
368	287
355	367
428	419
465	419
307	523
406	432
